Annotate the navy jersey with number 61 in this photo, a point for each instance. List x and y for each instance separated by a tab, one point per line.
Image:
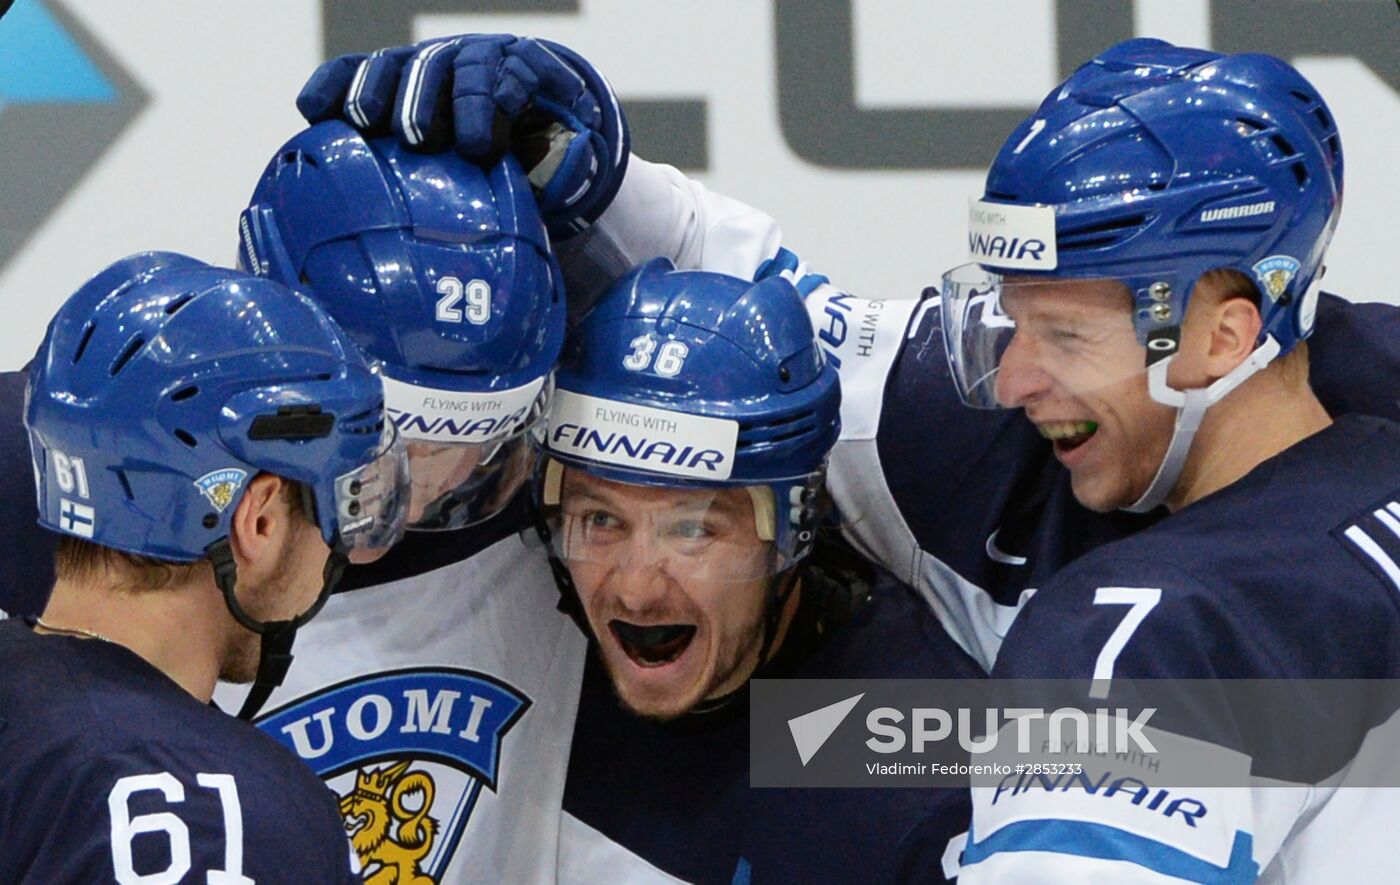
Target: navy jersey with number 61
112	772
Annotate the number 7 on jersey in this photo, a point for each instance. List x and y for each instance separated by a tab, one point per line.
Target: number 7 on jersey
1142	600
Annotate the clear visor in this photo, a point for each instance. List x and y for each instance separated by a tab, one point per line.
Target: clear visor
371	502
1012	340
456	484
713	535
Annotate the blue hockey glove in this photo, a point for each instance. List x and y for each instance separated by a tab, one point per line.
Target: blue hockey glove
484	94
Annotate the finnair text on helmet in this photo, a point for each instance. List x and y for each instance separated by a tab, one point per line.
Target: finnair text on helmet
1232	212
426	413
1012	236
416	426
998	246
645	437
432	403
641	450
933	724
987	216
633	419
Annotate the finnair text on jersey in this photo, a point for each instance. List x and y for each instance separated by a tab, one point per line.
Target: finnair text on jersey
1187	809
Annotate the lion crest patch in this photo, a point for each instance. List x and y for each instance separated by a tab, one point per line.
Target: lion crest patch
219	486
1275	273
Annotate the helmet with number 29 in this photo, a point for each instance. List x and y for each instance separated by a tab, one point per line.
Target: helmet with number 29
441	271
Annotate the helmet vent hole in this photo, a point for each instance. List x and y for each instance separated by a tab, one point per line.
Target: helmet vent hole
1300	173
1322	119
371	421
178	303
127	353
1334	147
184	393
1105	233
1249	125
1283	145
791	434
125	484
186	437
297	157
83	342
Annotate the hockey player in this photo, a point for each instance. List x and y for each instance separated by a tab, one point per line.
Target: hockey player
1147	258
884	473
680	500
889	479
422	695
210	447
439	270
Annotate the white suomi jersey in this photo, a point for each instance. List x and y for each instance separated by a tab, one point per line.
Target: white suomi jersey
439	708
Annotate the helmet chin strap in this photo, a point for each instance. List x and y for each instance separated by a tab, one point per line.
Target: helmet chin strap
1191	408
275	637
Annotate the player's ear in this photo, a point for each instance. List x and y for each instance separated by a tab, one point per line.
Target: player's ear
1234	330
259	520
1222	325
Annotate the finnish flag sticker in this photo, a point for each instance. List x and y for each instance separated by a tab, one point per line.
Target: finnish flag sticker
76	518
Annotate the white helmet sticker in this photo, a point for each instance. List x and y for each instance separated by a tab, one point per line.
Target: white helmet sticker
423	413
641	437
1003	236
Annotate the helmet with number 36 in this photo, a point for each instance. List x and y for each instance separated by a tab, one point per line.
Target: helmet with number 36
696	380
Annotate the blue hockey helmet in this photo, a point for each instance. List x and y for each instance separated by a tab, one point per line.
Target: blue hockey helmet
441	271
1150	166
691	379
164	385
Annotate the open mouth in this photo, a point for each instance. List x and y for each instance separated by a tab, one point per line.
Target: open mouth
1068	435
654	645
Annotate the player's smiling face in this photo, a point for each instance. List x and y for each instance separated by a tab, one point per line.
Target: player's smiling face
1077	369
673	583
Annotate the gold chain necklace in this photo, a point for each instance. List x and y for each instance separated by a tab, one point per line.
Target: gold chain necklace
71	631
